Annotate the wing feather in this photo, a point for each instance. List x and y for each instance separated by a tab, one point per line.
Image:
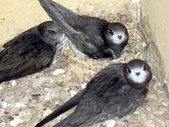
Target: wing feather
26	55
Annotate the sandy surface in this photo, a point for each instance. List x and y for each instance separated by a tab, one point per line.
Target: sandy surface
26	101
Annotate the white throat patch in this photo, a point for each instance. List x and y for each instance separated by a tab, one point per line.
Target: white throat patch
115	38
138	75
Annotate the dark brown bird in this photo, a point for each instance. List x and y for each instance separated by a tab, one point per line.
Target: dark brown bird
93	36
30	52
114	92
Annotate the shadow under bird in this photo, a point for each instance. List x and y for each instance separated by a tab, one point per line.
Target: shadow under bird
93	36
30	52
114	92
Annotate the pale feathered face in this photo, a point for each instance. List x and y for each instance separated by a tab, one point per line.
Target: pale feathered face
116	33
117	37
138	72
51	33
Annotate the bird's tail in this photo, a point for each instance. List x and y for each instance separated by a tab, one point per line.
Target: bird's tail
66	106
61	15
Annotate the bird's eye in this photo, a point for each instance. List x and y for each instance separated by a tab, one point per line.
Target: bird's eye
51	31
128	70
111	32
145	67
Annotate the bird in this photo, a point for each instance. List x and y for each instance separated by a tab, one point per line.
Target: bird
95	37
114	92
30	52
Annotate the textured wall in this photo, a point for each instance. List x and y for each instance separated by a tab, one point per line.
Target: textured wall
155	19
18	15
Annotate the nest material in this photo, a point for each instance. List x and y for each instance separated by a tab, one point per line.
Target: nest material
27	100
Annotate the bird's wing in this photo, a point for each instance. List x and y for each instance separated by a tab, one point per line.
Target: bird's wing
60	14
88	112
106	78
110	85
124	101
106	97
84	31
90	108
63	108
24	56
70	20
17	40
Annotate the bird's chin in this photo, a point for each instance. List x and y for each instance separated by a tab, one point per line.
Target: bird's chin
62	38
137	84
138	81
117	42
52	43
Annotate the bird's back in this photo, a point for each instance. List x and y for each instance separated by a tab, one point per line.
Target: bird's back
85	32
25	54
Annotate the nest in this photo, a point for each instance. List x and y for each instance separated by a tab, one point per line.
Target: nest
27	100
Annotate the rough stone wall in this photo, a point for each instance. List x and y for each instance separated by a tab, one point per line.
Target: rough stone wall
17	16
155	22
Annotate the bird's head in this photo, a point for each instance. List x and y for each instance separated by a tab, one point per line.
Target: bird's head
138	73
51	33
116	34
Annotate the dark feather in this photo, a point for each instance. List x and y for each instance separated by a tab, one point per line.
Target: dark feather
63	108
24	55
108	95
85	32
